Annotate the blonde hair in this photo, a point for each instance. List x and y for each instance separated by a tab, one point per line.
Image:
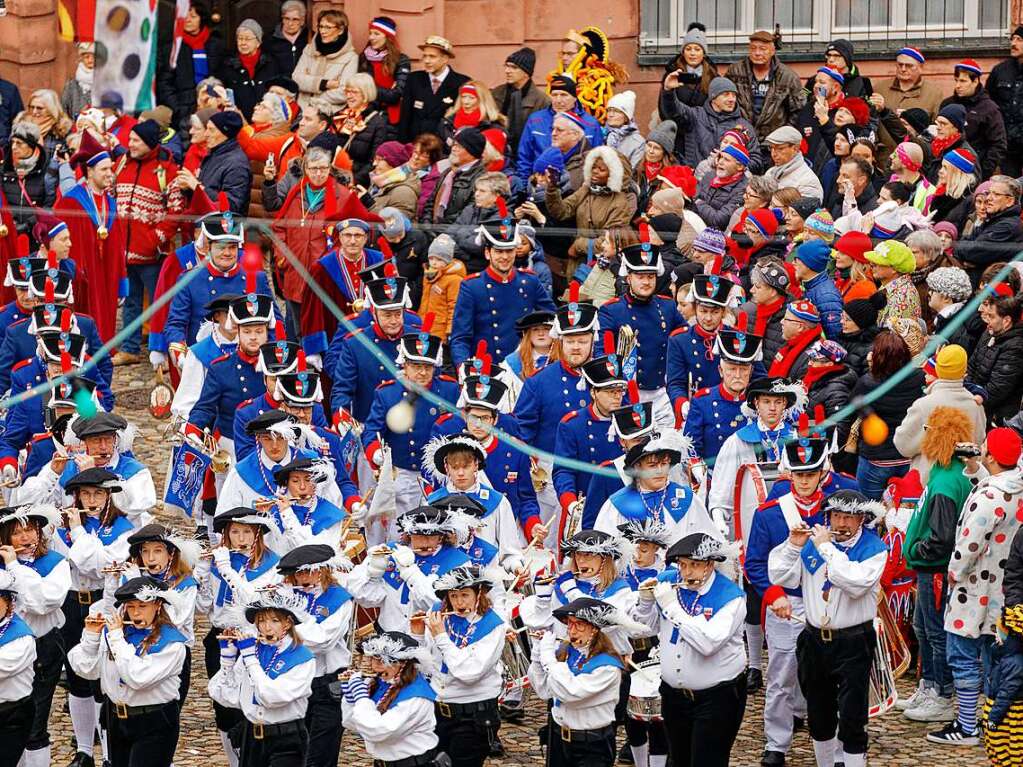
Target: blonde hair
958	183
363	83
60	125
487	106
608	572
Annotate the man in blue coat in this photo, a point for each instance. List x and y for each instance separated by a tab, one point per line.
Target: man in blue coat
10	107
489	303
652	318
223	339
536	134
811	260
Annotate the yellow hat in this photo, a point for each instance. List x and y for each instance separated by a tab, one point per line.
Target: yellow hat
951	362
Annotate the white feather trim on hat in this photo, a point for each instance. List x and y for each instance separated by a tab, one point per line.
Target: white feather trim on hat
285	429
429	464
189	550
673	439
46	510
282	597
795	387
7	582
150	594
388	649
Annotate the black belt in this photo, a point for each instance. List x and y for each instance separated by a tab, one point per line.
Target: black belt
454	710
324	680
849	632
10	705
122	711
569	735
643	643
691	694
88	597
412	761
260	730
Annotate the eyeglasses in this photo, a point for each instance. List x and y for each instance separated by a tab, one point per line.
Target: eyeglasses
317	169
325	25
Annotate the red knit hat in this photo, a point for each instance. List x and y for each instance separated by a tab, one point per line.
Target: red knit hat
857	107
854	245
907	488
1004	445
764	220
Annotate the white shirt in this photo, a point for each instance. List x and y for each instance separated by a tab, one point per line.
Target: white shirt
88	556
500	527
243	590
16	669
695	520
404	730
297	534
585	701
696	652
328	639
370	591
40	598
854	582
237	492
149	680
474	672
734	453
193	376
242	683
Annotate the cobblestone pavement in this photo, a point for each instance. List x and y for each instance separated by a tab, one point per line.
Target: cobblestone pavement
895	741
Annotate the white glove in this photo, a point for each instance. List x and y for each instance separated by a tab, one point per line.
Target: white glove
358	513
664	593
543	590
157	360
222	557
404	557
718	517
647	595
548	645
378	458
10	473
315	361
571	590
377	565
514	564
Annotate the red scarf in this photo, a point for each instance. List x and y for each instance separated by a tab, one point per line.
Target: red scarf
789	353
652	170
727	180
249	61
764	314
465	119
939	145
385	79
815	373
196	42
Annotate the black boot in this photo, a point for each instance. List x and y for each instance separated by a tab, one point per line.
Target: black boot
625	754
82	759
772	759
496	747
754	680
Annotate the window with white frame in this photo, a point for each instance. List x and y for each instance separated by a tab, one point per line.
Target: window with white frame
805	22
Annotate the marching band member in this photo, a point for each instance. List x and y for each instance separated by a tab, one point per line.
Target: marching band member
222	340
398	578
697	614
94	538
507	469
393	713
838	567
302	516
806	460
582	676
19	273
241	564
652	494
136	653
466	637
535	341
107	440
653	318
647	740
420	358
17	676
582	434
269	678
631	424
309	569
555	391
42	578
459	461
252	479
56	436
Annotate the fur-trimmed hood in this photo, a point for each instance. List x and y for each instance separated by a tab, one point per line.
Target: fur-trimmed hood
613	160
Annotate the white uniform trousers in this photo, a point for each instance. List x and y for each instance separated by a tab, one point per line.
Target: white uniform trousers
782	697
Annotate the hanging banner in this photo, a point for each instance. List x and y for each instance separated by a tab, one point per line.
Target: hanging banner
126	52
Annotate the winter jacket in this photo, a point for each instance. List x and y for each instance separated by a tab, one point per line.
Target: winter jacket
225	168
985	129
925	95
176	87
1005	86
951	209
704	128
285	53
518	105
820	290
891	408
536	137
463	190
857	347
866	201
40	190
73	99
997	365
595	211
997	239
314	70
248	89
410	259
464	233
832	391
983	539
716	204
1013	584
773	338
931	535
1005	680
855	84
785	95
147	205
796	173
961	335
942	393
403	195
362	145
388	97
439	295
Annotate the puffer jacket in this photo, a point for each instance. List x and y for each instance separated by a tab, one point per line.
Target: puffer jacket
226	169
439	295
1005	678
704	128
857	347
463	231
832	391
362	145
463	189
1012	586
628	142
997	365
716	204
40	190
595	211
985	128
822	293
248	89
403	195
997	239
891	408
785	96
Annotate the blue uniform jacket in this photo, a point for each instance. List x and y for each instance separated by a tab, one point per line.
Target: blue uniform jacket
547	396
834	482
317	343
598	489
768	530
487	309
231	380
186	312
10	314
360	321
691	364
536	137
208	350
20	345
406	449
582	436
187	259
653	321
358	372
714	416
245	443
